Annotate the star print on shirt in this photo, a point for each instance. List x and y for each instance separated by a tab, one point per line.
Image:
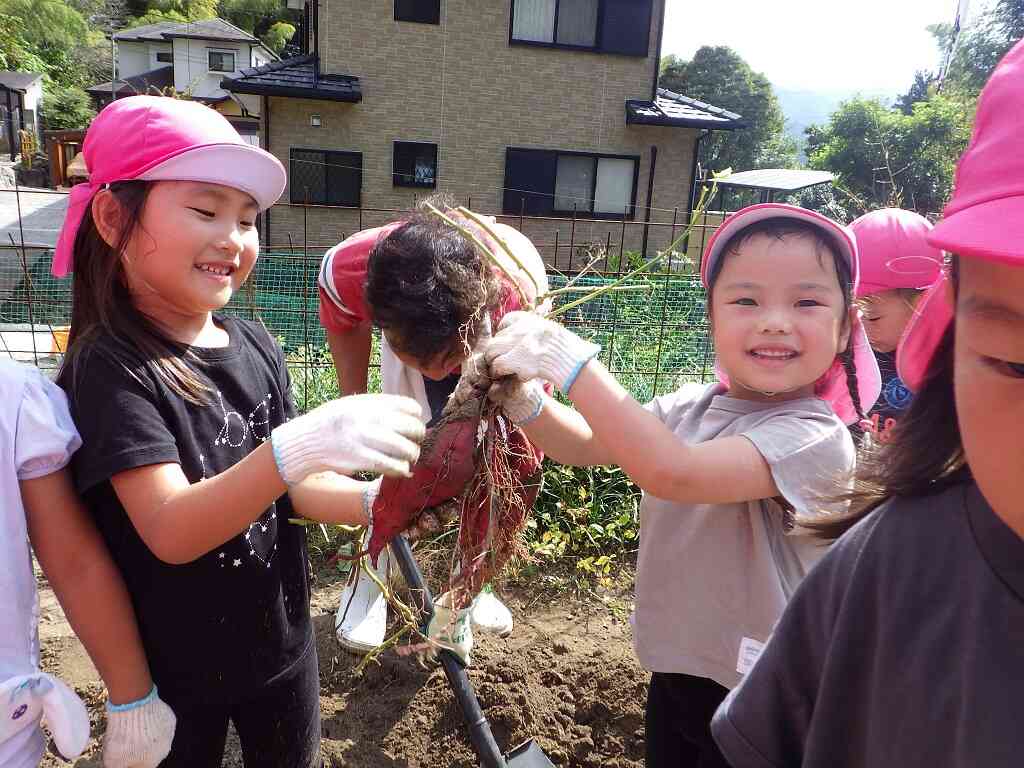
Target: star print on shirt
235	428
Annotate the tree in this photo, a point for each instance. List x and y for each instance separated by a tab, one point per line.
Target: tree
15	52
278	36
672	73
883	157
921	88
66	108
1008	16
980	45
719	76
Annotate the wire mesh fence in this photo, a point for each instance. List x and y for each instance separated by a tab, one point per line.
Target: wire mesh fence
652	335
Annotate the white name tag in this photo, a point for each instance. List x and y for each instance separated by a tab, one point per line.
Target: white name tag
750	649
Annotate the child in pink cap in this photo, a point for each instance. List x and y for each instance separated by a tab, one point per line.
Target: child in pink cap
902	648
723	467
896	265
193	458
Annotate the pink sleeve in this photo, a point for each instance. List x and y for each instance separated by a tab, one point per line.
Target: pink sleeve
342	280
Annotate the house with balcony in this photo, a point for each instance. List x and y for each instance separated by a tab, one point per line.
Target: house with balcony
523	108
188	58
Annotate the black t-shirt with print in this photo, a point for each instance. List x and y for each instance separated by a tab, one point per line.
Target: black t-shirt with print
230	620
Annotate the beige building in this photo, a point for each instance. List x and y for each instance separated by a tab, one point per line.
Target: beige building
539	108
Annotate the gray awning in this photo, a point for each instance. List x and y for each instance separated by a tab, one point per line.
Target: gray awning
776	179
675	110
297	78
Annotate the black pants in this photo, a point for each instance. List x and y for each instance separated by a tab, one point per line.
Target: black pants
278	726
678	727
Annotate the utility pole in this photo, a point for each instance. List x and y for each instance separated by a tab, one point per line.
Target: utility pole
111	17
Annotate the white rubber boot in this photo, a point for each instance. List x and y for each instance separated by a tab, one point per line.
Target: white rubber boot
362	617
489	614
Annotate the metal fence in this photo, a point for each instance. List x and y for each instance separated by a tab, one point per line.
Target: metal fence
652	336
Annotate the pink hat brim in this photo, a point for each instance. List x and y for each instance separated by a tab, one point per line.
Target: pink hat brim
932	316
991	230
240	166
755	213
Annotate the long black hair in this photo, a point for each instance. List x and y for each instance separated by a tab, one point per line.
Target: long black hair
924	457
428	287
103	318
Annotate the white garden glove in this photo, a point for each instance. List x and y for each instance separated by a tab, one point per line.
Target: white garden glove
139	734
529	347
522	401
451	629
27	699
371	433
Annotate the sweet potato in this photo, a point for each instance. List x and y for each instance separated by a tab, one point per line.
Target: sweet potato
445	467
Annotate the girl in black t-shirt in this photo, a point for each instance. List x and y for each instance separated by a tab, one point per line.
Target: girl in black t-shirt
193	458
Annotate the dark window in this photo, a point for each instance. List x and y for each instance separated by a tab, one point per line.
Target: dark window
167	58
541	181
609	26
626	26
222	62
414	164
325	178
423	11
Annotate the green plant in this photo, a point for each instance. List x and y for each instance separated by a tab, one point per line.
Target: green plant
66	108
589	515
314	380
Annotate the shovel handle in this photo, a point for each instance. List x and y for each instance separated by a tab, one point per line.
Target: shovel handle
479	729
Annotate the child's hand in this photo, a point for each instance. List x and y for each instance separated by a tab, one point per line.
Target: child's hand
528	347
522	401
360	433
139	734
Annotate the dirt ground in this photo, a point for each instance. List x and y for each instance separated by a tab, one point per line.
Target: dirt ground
567	677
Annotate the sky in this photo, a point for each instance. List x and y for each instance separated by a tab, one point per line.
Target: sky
820	45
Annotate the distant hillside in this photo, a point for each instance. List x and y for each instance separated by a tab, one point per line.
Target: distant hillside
804	108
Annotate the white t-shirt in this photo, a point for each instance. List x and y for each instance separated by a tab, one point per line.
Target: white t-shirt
712	579
37	438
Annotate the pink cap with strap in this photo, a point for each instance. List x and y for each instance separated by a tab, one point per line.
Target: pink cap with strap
893	251
985	217
832	386
157	138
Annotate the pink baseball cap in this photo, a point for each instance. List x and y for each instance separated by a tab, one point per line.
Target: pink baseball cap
985	217
832	386
157	138
893	251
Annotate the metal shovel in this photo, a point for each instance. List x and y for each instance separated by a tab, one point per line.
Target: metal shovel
527	754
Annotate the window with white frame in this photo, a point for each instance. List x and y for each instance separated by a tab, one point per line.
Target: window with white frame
221	61
165	57
541	182
601	26
565	22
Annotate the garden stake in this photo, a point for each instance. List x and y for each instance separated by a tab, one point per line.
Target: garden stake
527	754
